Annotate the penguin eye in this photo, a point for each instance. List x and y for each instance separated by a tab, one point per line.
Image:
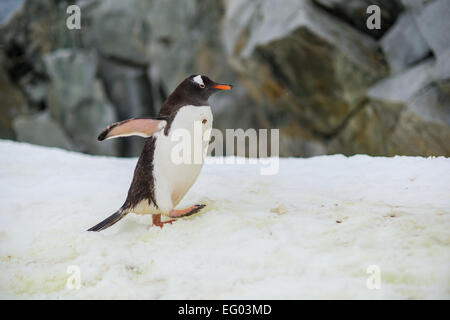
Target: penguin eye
201	85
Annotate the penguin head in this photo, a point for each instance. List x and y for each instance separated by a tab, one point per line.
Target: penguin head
200	87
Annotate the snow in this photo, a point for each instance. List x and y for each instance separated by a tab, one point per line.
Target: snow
259	236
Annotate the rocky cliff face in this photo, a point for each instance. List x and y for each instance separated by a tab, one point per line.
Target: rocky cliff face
309	67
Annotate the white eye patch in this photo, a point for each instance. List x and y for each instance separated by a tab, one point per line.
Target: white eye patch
198	79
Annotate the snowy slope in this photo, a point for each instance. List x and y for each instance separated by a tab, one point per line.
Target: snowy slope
260	237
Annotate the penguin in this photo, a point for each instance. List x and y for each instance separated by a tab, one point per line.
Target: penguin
160	179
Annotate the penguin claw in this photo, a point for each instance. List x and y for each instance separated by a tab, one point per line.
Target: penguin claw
161	224
196	208
157	220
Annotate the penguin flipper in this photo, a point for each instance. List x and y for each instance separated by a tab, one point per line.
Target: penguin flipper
144	127
108	222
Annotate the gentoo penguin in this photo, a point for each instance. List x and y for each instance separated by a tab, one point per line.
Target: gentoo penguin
160	180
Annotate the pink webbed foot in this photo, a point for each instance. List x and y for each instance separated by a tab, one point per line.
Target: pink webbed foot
186	212
157	220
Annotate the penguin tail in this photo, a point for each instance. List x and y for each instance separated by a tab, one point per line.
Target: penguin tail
108	222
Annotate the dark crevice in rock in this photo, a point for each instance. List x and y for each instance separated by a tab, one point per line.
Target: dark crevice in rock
41	105
125	62
23	74
429	55
353	112
335	13
19	66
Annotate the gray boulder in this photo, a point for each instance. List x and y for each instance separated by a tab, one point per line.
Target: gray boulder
120	29
130	90
42	130
188	42
36	29
308	67
432	103
368	131
77	100
406	114
296	59
414	4
414	135
442	70
418	126
8	8
12	102
137	31
403	44
88	119
355	12
434	24
72	75
401	87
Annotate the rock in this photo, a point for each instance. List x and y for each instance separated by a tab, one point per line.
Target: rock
295	146
121	30
159	35
442	70
175	28
403	86
418	126
423	126
130	90
77	100
355	12
432	103
8	8
414	4
134	31
42	130
13	102
88	119
415	136
172	62
403	44
405	114
368	131
400	120
313	67
72	75
158	94
308	67
434	24
38	28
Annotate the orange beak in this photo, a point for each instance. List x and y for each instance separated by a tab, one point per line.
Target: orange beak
222	87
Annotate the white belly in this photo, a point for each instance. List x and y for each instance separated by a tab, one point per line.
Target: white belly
179	156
